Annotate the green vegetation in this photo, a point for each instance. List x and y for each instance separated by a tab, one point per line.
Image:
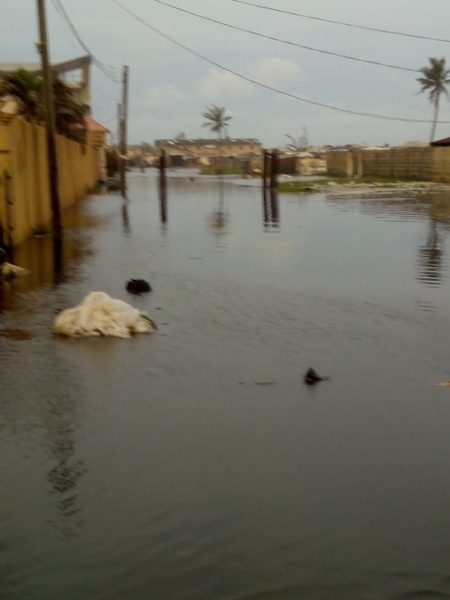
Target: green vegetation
313	186
26	90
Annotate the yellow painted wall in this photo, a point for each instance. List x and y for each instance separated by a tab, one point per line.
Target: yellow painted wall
23	155
425	164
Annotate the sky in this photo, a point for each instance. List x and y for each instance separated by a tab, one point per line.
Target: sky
170	88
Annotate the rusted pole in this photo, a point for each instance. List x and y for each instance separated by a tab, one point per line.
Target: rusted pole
123	130
274	170
265	170
8	205
163	187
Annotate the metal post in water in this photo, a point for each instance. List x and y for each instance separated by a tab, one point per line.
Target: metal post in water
163	187
274	170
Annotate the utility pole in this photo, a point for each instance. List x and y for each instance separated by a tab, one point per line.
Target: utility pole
123	120
50	124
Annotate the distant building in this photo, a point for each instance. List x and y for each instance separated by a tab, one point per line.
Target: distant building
206	151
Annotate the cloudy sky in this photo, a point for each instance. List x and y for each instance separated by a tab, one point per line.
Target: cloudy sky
170	88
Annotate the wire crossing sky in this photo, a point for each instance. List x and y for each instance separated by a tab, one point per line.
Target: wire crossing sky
266	86
282	41
347	70
342	23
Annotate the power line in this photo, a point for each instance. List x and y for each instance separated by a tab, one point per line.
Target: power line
345	24
108	70
281	41
264	85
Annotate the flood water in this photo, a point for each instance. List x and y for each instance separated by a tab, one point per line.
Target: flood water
194	463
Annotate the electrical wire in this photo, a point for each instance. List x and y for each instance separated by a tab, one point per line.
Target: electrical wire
107	70
343	23
282	41
264	85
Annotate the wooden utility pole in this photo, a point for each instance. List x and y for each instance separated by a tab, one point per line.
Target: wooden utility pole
163	187
274	170
123	130
50	123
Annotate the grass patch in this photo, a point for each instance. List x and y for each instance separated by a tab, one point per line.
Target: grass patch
299	187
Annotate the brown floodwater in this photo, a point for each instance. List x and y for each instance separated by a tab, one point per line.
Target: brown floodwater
194	463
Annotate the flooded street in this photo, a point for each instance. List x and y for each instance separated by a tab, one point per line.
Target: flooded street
194	463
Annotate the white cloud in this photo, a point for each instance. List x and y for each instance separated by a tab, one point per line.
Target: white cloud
276	71
161	95
221	84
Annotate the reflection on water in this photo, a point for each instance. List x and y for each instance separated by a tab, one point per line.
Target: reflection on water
125	462
49	260
429	262
220	218
432	208
271	210
125	218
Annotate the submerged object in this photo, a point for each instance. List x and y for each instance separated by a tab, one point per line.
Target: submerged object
99	314
138	286
311	377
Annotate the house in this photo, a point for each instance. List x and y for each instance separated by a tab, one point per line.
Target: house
76	73
207	151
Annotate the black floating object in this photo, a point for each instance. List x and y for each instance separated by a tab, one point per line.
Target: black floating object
311	377
138	286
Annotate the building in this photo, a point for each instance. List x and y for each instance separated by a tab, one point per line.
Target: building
206	151
76	73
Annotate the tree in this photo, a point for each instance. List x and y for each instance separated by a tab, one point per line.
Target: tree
300	143
24	88
217	121
434	81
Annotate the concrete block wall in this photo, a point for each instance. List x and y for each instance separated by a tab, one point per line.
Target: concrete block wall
23	156
426	164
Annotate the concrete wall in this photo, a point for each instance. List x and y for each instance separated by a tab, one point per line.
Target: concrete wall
339	163
426	164
23	158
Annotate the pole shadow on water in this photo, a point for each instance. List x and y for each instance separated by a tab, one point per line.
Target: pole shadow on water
125	219
58	260
219	218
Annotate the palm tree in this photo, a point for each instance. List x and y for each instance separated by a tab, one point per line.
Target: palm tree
217	121
24	88
434	81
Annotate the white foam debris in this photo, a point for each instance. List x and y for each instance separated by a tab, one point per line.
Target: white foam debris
99	314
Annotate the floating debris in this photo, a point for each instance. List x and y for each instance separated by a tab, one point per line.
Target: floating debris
311	377
138	286
99	314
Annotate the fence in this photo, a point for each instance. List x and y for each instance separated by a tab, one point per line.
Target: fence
426	164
